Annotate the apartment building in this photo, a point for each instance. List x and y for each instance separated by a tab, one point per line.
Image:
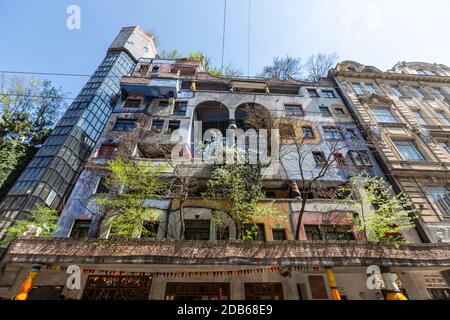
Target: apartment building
167	99
405	114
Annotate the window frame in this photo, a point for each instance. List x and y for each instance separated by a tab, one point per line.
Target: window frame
311	94
125	105
423	158
299	113
326	93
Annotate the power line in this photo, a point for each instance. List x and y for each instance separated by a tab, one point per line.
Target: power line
46	73
248	37
34	96
223	33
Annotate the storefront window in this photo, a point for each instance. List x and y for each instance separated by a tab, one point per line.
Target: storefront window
197	291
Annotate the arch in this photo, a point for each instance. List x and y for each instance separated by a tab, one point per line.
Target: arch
252	115
213	115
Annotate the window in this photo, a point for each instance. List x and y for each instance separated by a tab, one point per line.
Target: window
263	291
371	88
357	87
173	125
279	234
107	151
80	229
439	294
397	91
155	69
441	93
339	111
286	131
143	69
426	72
294	110
351	134
409	151
360	158
101	187
383	115
222	232
325	111
133	103
150	229
419	92
443	117
328	94
313	93
197	291
332	133
318	287
319	157
328	232
339	158
445	146
124	125
256	230
441	197
197	229
163	103
117	288
157	125
420	119
180	108
308	132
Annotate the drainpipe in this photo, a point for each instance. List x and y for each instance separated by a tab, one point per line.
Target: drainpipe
335	295
393	291
27	285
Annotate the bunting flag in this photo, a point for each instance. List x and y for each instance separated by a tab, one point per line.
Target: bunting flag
52	267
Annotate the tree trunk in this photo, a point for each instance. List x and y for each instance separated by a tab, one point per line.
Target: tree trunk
300	217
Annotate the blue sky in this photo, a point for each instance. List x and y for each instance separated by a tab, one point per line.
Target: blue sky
34	36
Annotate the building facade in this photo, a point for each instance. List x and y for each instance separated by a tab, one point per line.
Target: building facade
405	114
168	99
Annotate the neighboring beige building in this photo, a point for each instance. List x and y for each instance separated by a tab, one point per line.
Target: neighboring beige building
405	113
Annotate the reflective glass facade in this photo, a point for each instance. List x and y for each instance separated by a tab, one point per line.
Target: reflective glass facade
52	173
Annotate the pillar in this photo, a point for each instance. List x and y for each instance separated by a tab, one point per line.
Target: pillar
335	295
393	291
27	285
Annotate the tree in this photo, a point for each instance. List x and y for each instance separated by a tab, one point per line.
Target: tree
42	222
154	36
28	111
283	68
133	183
227	72
318	65
174	54
236	189
392	214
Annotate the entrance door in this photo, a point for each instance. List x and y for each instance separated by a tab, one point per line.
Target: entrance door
197	291
117	288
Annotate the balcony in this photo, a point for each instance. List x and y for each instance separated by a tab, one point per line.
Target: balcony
163	86
231	252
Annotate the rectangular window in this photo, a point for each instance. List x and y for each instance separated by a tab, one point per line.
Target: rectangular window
222	232
318	287
197	291
80	229
357	87
328	94
325	111
132	103
397	91
439	294
419	93
197	229
383	115
257	231
117	288
163	103
313	93
409	151
360	158
426	72
441	197
124	125
308	132
107	151
294	110
370	88
263	291
351	134
441	93
420	119
339	158
332	133
155	69
446	147
443	117
180	109
173	125
143	69
150	229
279	234
157	125
319	157
101	187
339	111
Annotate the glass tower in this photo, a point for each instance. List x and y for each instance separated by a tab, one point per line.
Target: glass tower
51	174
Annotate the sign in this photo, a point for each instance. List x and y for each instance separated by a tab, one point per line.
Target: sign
434	281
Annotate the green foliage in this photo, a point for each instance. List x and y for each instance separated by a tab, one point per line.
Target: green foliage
28	111
174	54
134	182
392	214
235	189
41	217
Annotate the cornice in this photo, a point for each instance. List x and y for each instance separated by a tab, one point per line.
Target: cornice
391	76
